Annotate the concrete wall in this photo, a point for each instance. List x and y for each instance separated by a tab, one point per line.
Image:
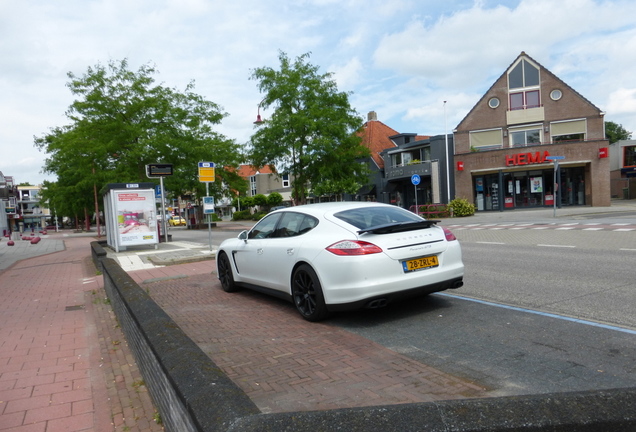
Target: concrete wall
192	394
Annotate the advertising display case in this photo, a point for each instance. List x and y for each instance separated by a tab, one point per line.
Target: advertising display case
131	215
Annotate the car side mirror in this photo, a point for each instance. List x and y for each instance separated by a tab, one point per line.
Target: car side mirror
243	236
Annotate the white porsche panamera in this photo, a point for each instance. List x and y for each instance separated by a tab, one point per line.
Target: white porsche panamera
341	255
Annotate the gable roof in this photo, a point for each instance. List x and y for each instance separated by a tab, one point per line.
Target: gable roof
246	171
375	135
543	68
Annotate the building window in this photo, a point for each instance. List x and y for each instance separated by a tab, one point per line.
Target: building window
524	74
493	102
252	185
573	130
286	180
525	137
486	140
556	94
524	100
630	157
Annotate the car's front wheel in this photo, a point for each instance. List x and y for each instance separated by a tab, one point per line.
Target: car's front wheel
225	273
307	294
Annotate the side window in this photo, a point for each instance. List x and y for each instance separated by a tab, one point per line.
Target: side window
265	228
294	224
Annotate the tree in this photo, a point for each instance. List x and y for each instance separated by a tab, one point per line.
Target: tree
274	199
615	132
311	134
120	122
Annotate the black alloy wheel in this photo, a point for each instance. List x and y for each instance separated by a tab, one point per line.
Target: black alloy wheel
225	273
307	294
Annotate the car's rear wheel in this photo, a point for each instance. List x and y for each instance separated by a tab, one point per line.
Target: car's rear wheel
225	273
307	294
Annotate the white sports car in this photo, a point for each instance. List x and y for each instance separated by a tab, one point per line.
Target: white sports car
341	255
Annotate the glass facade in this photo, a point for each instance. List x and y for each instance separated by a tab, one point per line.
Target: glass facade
533	188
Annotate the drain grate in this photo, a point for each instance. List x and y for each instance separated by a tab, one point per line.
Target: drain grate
74	308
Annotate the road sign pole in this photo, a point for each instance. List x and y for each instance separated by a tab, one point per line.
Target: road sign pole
163	211
556	185
207	194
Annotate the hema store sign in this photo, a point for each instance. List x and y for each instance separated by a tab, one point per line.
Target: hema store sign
527	158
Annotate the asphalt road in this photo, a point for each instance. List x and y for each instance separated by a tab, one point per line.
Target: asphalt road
546	306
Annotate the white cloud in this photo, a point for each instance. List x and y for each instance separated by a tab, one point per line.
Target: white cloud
401	58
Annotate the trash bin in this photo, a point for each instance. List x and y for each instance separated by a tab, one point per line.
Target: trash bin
625	193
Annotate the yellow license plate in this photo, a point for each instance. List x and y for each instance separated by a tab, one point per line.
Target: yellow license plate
420	263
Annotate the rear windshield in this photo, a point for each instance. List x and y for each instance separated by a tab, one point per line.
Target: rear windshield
364	218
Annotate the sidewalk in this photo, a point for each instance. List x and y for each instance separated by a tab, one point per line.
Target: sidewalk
65	365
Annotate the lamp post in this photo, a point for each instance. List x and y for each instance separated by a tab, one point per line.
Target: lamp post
448	188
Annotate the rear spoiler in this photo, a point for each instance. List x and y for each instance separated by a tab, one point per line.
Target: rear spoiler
399	227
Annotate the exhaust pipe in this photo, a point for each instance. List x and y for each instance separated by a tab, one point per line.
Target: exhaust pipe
457	284
376	304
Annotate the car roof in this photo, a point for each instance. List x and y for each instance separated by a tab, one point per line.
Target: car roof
320	209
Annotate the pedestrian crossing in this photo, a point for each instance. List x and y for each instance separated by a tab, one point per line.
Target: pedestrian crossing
583	226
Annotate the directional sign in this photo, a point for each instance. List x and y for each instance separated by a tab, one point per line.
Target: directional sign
415	179
206	171
554	157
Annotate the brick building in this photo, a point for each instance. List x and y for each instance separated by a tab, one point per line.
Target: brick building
503	145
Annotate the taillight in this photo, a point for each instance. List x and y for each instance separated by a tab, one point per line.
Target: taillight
449	235
353	247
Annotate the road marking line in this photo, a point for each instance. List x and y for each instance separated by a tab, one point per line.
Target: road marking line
486	242
556	246
592	229
564	228
626	249
546	314
624	229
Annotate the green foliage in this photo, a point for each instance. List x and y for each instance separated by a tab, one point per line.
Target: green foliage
311	133
461	207
260	200
120	121
615	132
243	202
242	215
215	217
274	199
259	215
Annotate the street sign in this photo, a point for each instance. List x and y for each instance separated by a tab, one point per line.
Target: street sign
554	157
415	179
208	205
206	171
158	170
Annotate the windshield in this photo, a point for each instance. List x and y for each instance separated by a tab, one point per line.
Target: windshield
364	218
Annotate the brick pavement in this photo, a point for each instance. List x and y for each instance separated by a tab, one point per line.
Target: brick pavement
64	364
285	363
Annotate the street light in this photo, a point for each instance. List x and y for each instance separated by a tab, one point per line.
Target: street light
259	120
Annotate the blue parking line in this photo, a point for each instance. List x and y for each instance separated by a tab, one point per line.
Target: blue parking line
546	314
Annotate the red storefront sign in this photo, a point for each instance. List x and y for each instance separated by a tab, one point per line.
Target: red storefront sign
460	166
526	158
603	153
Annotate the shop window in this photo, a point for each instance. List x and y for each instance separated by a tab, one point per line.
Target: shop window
630	156
525	137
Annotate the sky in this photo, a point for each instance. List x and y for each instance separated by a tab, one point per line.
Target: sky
399	58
